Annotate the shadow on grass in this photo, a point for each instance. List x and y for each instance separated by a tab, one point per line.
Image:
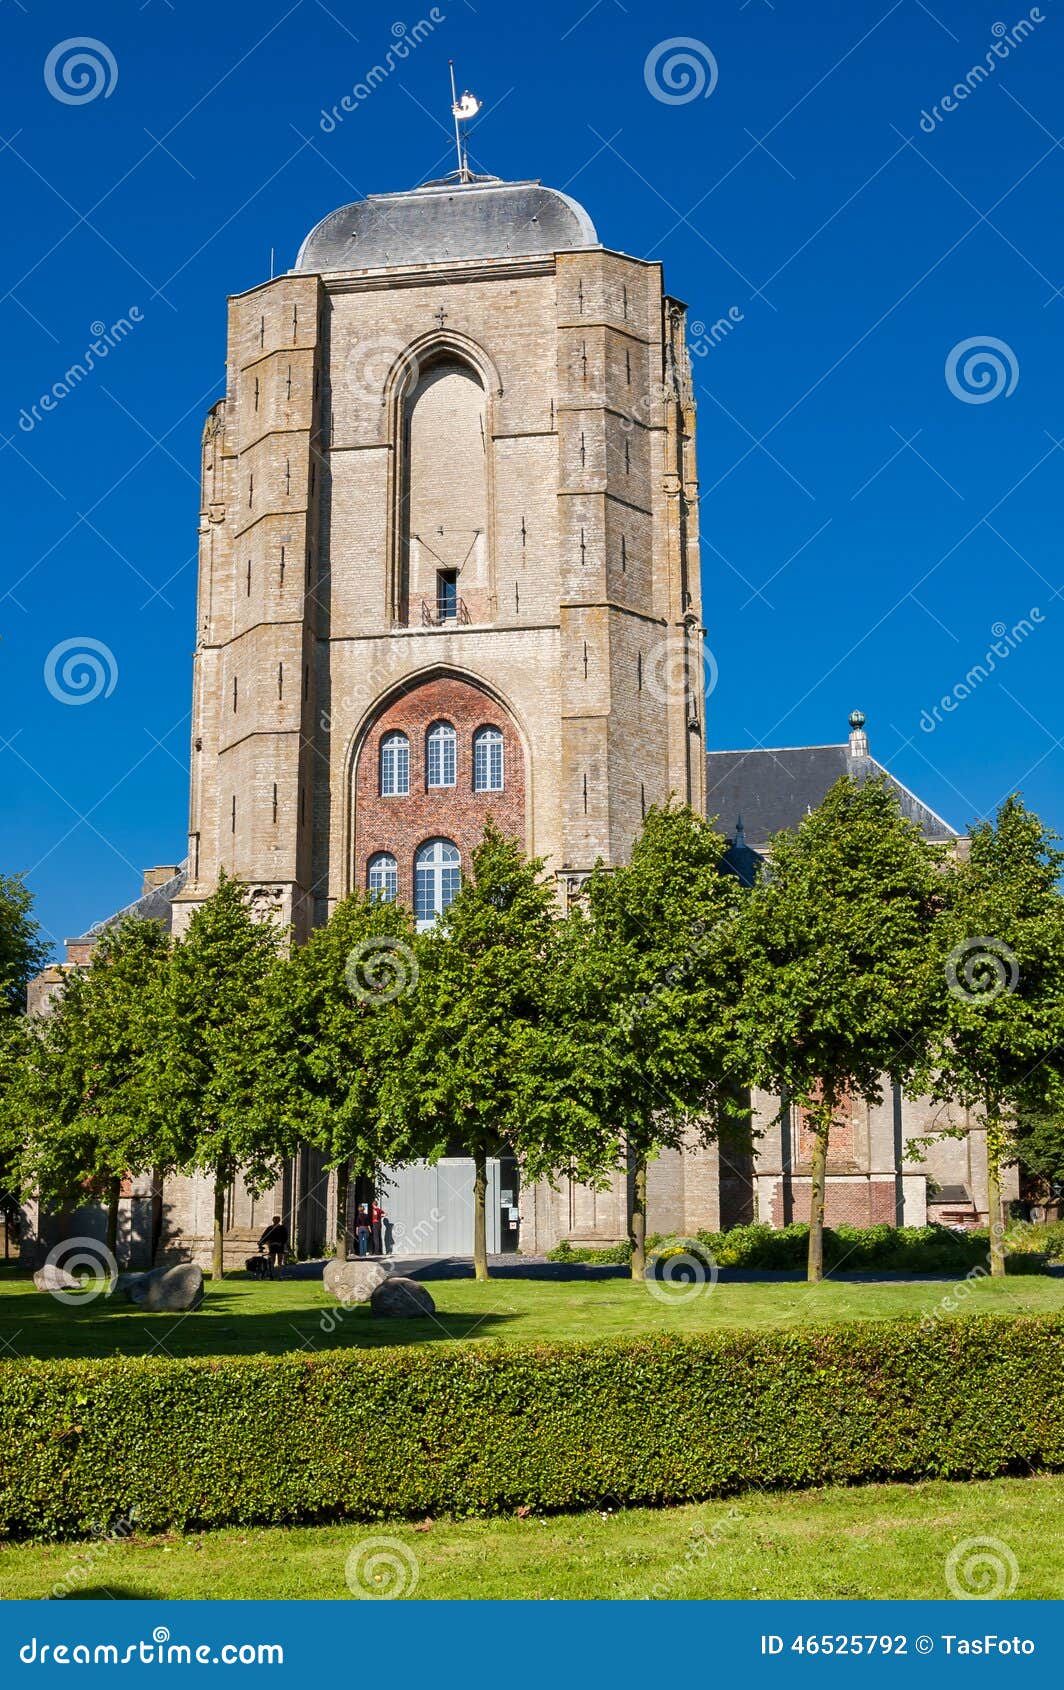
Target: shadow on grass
116	1593
231	1321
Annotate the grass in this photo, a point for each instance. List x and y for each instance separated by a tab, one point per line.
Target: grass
244	1317
870	1541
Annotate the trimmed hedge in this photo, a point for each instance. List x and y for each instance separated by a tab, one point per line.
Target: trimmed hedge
854	1249
890	1249
464	1429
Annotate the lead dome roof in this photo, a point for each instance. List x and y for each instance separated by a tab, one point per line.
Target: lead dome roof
485	218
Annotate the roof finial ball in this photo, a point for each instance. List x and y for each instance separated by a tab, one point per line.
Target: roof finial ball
858	737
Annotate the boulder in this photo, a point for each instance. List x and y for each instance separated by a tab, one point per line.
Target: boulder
176	1289
172	1290
52	1278
354	1281
400	1298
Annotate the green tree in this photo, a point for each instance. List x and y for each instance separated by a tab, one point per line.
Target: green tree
22	954
466	1074
840	972
999	1035
326	1035
208	1055
84	1086
651	986
22	951
1038	1144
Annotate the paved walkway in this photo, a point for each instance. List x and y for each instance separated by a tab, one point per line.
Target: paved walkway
461	1267
537	1267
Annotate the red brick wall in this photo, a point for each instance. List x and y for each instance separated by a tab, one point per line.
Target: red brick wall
848	1202
840	1141
400	825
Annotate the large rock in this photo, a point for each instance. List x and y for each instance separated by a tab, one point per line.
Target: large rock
400	1298
354	1281
172	1290
52	1278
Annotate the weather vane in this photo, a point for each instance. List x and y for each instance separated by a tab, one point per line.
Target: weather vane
463	108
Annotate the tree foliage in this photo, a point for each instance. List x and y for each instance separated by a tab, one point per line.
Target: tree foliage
479	1009
328	1028
840	970
998	1032
207	1070
649	989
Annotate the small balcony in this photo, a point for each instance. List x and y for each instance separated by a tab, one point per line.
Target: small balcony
444	612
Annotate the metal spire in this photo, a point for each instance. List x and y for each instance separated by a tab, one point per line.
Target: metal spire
462	110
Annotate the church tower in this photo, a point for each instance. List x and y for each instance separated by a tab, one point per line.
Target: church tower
448	556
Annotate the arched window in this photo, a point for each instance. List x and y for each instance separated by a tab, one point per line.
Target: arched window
437	877
395	766
382	878
443	552
487	760
441	760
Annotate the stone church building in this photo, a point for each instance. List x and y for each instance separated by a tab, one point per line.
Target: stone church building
449	569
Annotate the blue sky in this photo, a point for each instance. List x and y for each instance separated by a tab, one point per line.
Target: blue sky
869	522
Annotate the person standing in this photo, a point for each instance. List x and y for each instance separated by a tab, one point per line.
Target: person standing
275	1241
362	1230
376	1221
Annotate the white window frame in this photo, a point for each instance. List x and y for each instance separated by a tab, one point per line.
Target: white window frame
383	865
489	769
437	880
441	756
395	766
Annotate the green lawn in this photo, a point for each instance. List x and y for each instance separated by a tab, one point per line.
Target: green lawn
872	1541
242	1316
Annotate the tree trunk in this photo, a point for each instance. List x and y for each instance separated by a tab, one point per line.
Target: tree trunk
480	1214
114	1188
343	1186
637	1216
218	1250
815	1272
993	1203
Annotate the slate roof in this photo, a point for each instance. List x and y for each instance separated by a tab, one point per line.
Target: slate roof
154	905
771	790
485	218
